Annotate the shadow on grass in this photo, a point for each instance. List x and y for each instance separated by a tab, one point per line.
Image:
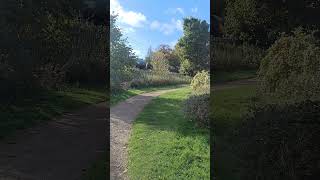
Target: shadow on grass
229	107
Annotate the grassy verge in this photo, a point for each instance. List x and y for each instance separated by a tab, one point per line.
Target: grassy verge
165	145
125	94
44	106
220	76
229	106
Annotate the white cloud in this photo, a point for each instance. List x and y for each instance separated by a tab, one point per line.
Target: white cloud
134	19
175	11
167	28
180	10
155	24
194	10
127	30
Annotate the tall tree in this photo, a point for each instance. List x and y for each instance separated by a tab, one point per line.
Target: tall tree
193	47
122	57
171	57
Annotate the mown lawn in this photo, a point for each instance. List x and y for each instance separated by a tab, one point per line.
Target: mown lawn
45	106
165	145
229	107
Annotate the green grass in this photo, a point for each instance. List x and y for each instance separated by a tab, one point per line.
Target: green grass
221	76
229	106
125	94
45	106
165	145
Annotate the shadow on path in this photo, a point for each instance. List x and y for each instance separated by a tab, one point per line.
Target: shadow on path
60	149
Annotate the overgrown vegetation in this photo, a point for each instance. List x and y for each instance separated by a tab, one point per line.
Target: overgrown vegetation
151	78
229	57
290	71
45	49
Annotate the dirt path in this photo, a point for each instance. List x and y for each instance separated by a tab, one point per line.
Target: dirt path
58	150
121	117
232	84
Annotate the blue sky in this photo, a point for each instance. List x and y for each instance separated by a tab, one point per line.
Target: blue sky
153	22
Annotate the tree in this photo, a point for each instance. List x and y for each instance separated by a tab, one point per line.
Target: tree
122	57
171	57
160	63
193	47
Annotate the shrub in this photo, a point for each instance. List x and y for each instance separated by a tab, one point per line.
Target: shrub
201	82
281	142
196	108
291	69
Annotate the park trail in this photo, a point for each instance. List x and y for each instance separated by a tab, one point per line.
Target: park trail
123	114
121	118
60	149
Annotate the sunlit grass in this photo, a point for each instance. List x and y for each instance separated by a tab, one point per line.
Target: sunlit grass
166	145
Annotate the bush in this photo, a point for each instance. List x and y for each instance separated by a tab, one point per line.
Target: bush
231	57
144	78
281	142
196	108
201	83
290	70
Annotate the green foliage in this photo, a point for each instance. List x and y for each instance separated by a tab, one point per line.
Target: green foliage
151	78
122	58
196	108
256	22
193	47
290	70
280	142
201	83
40	47
160	63
171	56
231	57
